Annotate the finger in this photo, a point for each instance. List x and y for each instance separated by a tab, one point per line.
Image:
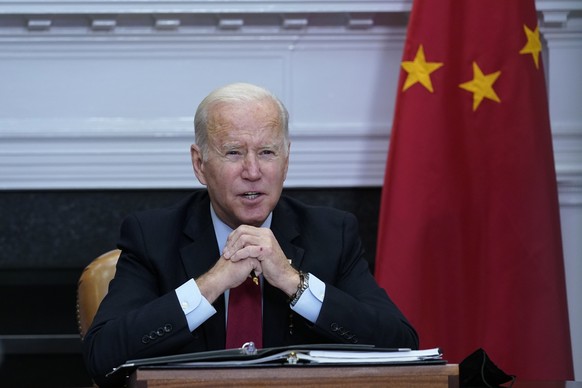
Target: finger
241	270
239	240
240	231
258	269
248	252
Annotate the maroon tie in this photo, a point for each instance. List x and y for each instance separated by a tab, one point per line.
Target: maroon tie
245	321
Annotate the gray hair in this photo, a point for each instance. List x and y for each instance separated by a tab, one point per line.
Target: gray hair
233	93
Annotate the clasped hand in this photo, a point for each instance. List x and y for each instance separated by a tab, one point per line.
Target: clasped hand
247	249
259	250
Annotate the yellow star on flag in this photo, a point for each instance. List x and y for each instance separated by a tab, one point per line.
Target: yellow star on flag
481	86
419	70
533	45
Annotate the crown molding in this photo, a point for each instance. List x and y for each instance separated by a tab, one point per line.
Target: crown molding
171	7
200	7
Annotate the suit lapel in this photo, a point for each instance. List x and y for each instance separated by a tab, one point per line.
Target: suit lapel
286	230
198	255
276	313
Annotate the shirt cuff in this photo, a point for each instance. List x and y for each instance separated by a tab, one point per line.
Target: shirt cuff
310	302
194	305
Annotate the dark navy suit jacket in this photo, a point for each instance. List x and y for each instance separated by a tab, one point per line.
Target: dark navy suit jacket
162	249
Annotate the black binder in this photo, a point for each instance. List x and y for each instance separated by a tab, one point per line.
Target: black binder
296	355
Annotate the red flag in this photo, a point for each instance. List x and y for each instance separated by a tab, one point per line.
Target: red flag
469	242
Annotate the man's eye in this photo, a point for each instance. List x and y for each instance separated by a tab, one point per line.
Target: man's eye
232	152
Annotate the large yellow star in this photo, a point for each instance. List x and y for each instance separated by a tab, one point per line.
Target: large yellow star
419	70
481	86
533	45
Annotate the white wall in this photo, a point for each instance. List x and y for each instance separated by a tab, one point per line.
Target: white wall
562	30
101	94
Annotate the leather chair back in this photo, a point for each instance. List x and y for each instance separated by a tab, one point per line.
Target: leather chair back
93	286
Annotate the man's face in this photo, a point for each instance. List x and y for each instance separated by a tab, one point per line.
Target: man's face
247	161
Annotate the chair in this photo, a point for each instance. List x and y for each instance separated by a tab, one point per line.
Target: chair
93	286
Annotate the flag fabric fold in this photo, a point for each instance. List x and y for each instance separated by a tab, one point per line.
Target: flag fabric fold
469	240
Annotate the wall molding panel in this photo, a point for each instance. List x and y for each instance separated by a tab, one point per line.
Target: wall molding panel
93	100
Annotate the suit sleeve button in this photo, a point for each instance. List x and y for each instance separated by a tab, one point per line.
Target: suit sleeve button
145	339
168	327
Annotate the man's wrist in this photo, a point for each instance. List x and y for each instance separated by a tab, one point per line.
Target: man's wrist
209	287
301	287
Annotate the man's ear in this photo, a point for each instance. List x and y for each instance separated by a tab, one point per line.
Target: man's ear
197	163
287	161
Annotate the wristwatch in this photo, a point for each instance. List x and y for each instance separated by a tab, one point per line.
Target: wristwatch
302	286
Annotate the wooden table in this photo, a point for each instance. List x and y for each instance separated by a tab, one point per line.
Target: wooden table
300	376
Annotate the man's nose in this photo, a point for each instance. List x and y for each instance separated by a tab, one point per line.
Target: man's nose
251	167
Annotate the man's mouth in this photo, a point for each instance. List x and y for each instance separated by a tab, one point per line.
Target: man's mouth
251	194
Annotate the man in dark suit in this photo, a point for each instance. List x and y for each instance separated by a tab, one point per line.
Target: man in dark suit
180	264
